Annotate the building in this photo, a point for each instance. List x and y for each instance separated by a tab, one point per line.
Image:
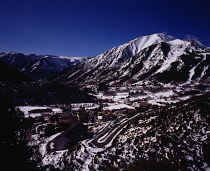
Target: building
142	107
130	111
70	137
83	118
68	119
105	117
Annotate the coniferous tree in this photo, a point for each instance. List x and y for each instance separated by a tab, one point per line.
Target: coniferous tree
15	154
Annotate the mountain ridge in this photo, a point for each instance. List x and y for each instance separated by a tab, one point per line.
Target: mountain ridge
153	58
140	59
39	66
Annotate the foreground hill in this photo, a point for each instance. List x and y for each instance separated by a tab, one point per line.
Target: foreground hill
39	93
10	74
151	58
175	137
177	134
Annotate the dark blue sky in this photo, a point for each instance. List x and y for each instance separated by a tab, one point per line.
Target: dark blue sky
90	27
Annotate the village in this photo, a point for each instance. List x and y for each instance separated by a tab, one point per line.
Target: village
75	122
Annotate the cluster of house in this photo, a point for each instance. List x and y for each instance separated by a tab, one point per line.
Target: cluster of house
71	121
82	115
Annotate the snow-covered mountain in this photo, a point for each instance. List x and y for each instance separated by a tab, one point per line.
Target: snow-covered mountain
39	66
152	58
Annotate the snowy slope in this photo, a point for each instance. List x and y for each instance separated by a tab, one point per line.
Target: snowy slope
174	137
177	133
113	58
39	66
120	54
150	57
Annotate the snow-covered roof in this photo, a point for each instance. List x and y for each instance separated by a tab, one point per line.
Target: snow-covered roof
118	106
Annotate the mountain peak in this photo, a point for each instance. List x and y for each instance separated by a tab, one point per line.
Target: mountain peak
157	38
140	43
153	57
164	37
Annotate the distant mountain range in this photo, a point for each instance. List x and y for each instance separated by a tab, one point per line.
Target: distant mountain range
39	66
145	60
153	59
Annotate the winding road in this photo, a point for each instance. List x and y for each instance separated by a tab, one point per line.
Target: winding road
107	136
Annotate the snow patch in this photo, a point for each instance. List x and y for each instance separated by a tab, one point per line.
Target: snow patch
119	106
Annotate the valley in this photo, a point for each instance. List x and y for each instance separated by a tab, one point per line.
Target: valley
143	104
